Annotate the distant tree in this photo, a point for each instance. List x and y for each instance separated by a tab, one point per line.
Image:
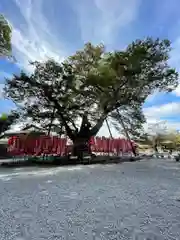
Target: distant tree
6	121
158	135
5	37
171	140
80	93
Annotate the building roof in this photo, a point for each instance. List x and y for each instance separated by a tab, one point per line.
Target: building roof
26	130
31	127
3	140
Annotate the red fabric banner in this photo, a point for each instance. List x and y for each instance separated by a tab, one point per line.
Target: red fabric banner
54	145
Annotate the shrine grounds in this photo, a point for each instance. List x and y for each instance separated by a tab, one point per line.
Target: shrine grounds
132	200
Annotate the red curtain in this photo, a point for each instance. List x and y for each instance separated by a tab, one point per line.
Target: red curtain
56	145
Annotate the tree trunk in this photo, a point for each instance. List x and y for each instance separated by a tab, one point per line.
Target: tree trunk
155	145
156	148
81	147
81	144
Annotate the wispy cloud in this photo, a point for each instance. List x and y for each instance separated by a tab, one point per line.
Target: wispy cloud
102	20
159	113
1	91
32	39
154	126
152	98
165	110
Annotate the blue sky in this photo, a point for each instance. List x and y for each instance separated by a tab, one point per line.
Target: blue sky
56	28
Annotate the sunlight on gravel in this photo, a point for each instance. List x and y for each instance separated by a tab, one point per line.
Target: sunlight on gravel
139	200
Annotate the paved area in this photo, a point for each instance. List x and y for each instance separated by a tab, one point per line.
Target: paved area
139	200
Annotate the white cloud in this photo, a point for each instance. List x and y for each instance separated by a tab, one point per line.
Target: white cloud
101	20
169	109
33	40
154	125
105	132
177	91
152	98
155	114
1	91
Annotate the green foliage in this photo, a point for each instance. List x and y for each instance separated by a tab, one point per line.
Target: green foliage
4	116
5	37
171	140
92	84
133	120
160	136
6	121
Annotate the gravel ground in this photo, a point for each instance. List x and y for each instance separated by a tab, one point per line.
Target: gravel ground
139	200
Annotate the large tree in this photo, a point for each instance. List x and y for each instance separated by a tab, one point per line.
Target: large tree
5	37
81	92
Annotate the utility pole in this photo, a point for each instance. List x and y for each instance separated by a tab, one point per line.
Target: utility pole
52	119
126	132
50	126
110	133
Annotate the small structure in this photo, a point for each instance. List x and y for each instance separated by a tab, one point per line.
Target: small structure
30	130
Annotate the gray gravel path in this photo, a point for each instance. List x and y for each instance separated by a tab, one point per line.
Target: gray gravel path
139	200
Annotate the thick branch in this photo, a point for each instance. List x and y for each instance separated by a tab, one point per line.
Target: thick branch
99	124
48	94
60	109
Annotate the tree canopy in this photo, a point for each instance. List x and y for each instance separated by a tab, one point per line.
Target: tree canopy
85	89
170	140
5	37
159	135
